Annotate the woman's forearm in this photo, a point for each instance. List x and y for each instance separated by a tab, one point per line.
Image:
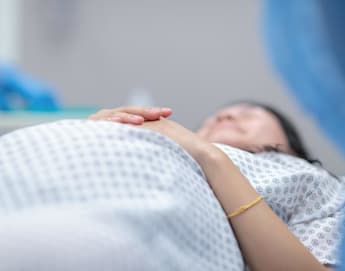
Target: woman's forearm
265	241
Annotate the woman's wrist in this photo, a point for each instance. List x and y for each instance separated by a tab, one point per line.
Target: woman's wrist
208	155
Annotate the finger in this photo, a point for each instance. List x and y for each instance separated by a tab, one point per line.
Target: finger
166	111
123	117
148	113
101	114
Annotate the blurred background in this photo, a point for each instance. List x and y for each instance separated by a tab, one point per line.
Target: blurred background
193	56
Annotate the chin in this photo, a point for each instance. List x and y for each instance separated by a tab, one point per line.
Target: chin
230	142
225	141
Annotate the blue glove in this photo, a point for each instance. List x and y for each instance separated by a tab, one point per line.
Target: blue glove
33	95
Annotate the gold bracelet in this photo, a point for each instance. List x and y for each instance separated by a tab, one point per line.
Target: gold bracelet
245	207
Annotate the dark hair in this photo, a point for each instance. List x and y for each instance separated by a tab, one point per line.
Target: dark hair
294	140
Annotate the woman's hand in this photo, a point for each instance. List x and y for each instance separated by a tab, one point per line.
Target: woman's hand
132	114
200	149
153	118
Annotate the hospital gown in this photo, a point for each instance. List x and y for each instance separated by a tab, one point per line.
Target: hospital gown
123	198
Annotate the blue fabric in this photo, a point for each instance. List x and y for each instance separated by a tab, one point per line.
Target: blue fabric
306	41
32	94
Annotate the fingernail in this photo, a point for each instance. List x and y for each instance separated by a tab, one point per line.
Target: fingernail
166	109
154	109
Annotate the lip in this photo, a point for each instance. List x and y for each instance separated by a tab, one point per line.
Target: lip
228	125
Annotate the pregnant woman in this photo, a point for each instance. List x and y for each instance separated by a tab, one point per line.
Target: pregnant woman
251	197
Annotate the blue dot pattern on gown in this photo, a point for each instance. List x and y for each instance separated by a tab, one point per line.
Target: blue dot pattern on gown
149	185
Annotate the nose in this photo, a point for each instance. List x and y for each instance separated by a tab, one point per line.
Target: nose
225	117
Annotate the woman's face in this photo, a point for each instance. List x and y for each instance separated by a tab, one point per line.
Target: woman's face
245	126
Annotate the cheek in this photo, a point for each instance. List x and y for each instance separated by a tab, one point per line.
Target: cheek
270	135
259	133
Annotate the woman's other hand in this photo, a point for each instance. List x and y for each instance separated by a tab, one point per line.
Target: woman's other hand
132	114
197	147
153	118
